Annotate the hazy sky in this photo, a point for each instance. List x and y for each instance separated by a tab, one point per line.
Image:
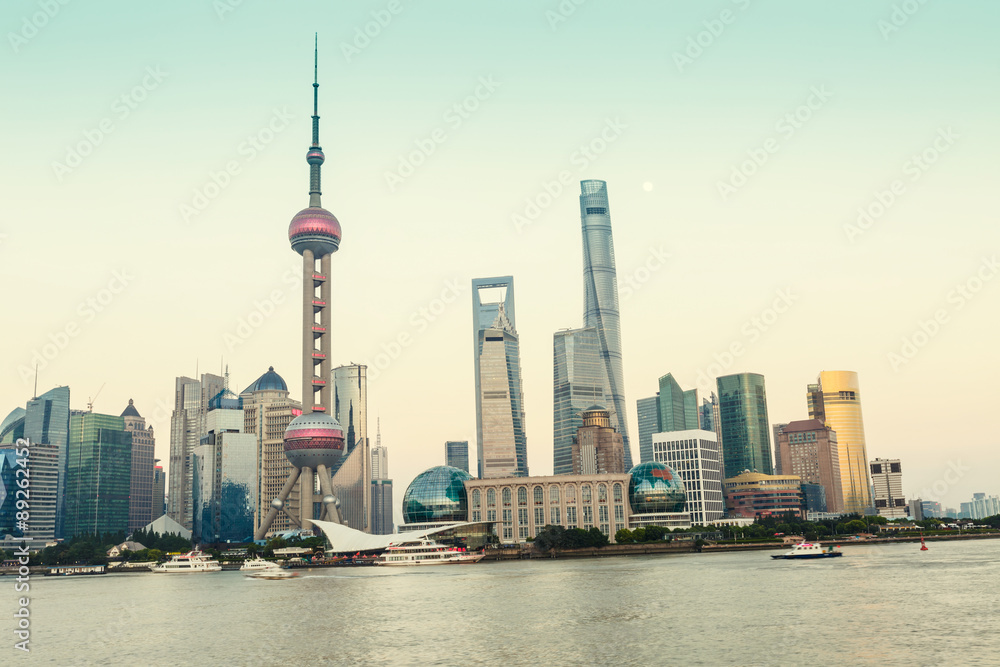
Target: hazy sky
153	155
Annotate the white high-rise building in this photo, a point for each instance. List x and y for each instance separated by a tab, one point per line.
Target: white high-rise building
695	455
887	481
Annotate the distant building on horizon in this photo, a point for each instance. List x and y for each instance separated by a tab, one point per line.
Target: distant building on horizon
501	443
140	504
381	488
597	447
808	449
577	383
98	474
746	439
600	299
456	454
672	409
159	491
835	400
887	483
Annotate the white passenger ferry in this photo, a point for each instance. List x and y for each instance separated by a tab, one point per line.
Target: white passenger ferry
190	563
426	552
806	550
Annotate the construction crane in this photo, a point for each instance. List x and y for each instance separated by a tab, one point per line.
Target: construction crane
90	401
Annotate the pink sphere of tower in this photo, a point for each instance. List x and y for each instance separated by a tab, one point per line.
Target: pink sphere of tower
314	229
314	439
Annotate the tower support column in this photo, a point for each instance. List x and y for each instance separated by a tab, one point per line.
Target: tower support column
308	320
306	498
265	525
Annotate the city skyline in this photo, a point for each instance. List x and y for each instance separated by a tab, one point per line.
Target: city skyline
666	148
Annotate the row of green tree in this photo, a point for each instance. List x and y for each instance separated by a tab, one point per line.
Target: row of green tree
643	535
558	537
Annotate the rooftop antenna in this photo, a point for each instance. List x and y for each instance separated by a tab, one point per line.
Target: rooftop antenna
34	396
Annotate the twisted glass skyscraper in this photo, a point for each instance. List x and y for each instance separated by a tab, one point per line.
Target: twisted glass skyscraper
600	299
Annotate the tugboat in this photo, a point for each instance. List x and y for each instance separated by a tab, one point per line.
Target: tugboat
804	550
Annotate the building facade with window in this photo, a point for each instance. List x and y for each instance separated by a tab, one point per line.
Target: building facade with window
522	506
887	482
696	456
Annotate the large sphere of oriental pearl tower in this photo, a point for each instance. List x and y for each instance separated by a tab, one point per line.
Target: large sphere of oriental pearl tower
314	439
315	229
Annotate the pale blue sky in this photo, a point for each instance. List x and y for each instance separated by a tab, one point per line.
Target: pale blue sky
890	96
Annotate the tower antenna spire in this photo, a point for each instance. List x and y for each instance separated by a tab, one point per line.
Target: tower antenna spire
315	156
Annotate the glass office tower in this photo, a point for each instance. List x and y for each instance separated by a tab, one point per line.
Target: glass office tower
648	410
746	434
98	474
577	384
456	454
600	298
835	400
46	422
501	444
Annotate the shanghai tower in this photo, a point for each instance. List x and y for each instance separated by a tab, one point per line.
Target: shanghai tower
600	299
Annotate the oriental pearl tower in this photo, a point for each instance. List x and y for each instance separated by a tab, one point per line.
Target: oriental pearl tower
314	440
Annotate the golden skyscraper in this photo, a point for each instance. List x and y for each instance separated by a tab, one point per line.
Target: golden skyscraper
836	401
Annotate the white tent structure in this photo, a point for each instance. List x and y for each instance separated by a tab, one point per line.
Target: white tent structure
347	540
165	525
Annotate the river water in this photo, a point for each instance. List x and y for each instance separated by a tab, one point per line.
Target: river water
887	605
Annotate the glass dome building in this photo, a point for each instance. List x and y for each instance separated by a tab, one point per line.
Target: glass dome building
437	495
655	488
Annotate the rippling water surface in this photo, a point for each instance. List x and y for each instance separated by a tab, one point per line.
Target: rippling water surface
890	605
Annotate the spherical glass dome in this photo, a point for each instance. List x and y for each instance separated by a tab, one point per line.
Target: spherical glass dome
269	381
437	494
655	488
